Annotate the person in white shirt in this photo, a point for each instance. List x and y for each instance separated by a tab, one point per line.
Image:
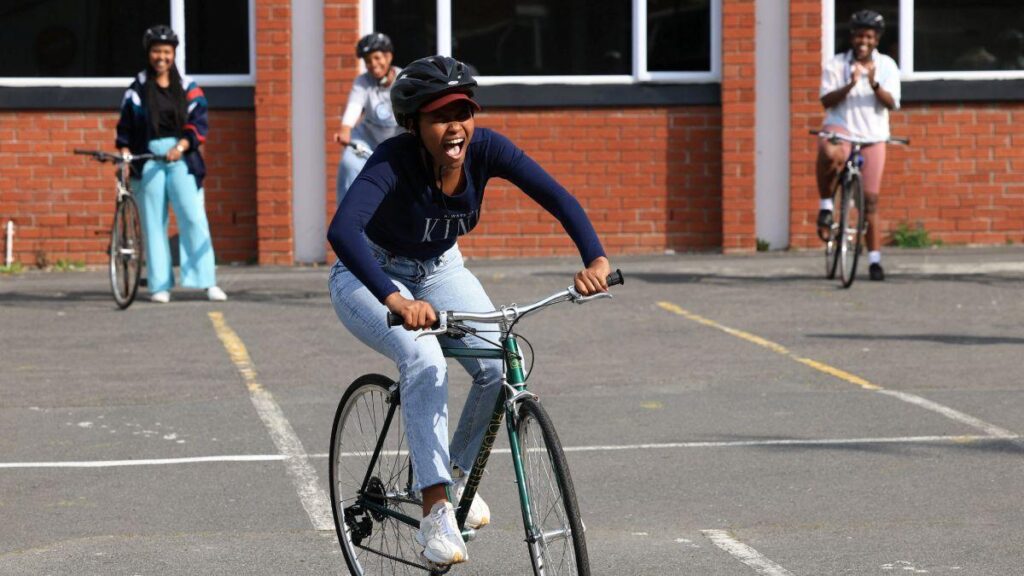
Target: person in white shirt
858	89
368	119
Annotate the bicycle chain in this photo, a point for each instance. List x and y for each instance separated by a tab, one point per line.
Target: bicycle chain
406	562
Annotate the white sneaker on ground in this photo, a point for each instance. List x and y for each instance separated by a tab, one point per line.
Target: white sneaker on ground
215	294
439	535
161	297
479	512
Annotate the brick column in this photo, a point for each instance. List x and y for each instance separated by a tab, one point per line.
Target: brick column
341	32
273	132
738	153
806	114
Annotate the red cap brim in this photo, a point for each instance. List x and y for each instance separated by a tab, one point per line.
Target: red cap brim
448	99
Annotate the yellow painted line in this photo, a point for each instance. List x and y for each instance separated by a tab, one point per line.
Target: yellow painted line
774	347
303	475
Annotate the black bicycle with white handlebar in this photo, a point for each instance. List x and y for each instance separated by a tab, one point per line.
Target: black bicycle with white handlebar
843	240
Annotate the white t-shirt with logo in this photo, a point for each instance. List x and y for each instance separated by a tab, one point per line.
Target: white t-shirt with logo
373	101
861	112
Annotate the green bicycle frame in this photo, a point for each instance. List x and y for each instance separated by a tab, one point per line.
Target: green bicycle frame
514	377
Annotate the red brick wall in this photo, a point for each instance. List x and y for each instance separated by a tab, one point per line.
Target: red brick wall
805	113
648	179
738	220
273	132
341	32
62	205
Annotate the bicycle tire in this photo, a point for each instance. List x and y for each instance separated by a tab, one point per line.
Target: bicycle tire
126	252
553	505
372	544
832	244
850	240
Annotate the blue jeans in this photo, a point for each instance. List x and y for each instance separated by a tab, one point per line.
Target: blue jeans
423	381
170	181
349	167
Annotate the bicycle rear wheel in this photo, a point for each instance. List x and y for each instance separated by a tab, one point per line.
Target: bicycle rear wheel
832	245
851	228
556	540
126	249
373	543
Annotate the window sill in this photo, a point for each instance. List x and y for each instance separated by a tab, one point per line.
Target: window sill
59	98
963	90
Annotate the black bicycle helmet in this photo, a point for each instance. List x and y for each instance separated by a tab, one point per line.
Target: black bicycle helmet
426	80
867	19
376	42
159	34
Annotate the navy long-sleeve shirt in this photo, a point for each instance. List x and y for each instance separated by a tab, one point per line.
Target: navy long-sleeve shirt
396	204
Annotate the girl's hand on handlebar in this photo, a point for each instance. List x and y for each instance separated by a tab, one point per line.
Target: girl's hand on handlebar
416	314
343	137
593	278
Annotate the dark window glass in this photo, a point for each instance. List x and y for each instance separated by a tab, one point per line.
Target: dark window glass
543	37
76	38
889	9
679	35
217	36
976	35
411	25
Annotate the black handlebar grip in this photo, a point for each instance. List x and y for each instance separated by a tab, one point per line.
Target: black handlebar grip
616	278
396	320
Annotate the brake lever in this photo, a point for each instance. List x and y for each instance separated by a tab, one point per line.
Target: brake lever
578	298
442	327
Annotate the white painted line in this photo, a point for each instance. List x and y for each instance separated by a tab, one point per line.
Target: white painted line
303	475
601	448
147	462
740	551
950	413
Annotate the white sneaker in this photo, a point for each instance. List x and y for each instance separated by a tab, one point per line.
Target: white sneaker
479	513
161	297
215	294
439	535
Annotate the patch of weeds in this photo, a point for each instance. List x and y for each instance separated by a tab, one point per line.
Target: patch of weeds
763	245
62	265
906	236
14	268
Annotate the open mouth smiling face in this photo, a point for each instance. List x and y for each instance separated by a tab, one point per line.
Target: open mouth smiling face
447	132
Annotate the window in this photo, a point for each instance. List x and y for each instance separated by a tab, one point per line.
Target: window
99	42
71	38
951	39
559	41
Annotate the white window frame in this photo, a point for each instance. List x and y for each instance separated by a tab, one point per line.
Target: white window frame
640	73
907	72
178	25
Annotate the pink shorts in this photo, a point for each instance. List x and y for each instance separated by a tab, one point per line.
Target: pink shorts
874	159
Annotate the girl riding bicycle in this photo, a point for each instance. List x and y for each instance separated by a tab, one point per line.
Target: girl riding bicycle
165	114
395	235
858	89
370	99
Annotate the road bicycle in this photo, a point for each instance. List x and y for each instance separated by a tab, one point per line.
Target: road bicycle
376	510
844	242
126	243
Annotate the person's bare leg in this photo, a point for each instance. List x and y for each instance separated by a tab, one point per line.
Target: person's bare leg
432	495
874	236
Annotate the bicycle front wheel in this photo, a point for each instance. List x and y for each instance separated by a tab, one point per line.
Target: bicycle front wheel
372	541
851	228
555	538
126	251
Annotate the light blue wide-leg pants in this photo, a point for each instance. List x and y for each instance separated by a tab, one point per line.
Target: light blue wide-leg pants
349	167
164	182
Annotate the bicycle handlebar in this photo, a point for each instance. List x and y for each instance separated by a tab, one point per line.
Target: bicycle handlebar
512	312
101	156
834	137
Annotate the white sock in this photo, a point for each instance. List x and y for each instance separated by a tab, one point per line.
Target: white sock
825	204
874	257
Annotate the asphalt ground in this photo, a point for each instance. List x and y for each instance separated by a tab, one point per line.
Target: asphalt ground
723	416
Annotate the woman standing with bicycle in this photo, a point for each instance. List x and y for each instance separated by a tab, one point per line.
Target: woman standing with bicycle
165	114
858	89
370	99
395	236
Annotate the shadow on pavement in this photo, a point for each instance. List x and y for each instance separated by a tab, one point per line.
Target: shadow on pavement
956	339
992	444
733	279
